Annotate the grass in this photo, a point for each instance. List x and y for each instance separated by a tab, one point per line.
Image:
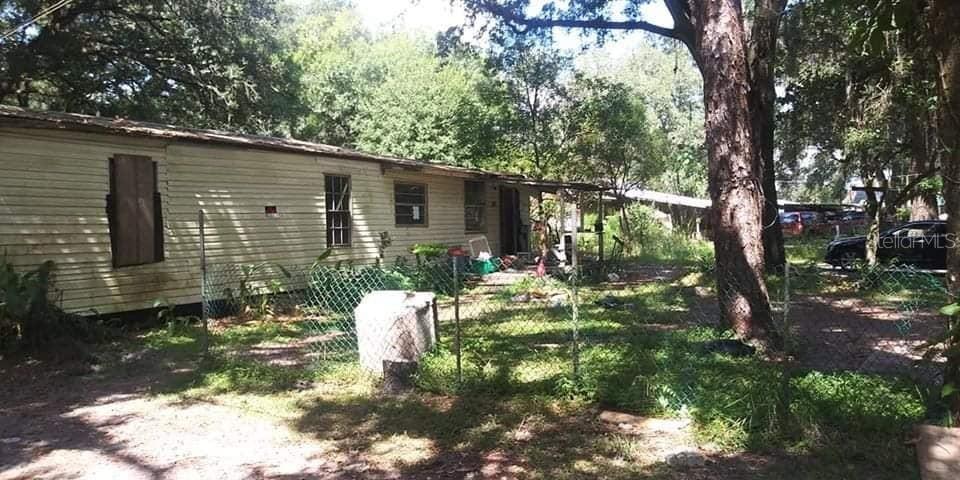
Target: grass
518	382
806	250
674	249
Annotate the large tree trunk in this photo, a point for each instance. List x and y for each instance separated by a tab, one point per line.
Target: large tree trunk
762	56
923	206
944	18
873	214
734	173
920	121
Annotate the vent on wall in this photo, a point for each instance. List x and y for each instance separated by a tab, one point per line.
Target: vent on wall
271	211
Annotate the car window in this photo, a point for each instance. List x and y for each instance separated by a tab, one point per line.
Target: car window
790	218
937	229
915	230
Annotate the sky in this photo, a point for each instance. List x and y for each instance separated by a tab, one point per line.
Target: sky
433	16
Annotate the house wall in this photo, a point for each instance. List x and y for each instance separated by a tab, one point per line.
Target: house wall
52	207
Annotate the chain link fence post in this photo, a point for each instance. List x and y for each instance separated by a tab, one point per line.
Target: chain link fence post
786	301
205	341
456	319
575	280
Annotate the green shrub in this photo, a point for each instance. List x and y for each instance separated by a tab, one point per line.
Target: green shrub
340	289
27	316
650	242
428	251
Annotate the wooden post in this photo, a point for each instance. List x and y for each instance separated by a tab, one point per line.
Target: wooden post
563	228
573	232
600	214
436	320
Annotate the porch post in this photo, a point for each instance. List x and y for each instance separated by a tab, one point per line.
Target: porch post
599	229
573	231
562	248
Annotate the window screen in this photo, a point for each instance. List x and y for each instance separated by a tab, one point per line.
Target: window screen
410	200
134	211
337	200
474	210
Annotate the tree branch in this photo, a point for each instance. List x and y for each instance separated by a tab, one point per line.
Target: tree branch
909	190
599	23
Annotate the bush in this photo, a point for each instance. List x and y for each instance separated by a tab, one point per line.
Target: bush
27	316
428	251
650	241
340	289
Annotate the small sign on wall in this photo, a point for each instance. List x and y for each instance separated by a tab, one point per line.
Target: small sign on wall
271	211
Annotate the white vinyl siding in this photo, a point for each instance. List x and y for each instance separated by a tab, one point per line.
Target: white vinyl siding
53	187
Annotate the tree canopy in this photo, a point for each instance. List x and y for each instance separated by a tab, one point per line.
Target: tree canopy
190	62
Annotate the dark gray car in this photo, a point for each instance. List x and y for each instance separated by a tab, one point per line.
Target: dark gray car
922	244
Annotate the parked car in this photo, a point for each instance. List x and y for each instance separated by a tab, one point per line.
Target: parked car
854	217
921	244
795	224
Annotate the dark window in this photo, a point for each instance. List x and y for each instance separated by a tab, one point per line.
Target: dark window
410	203
474	210
134	211
337	189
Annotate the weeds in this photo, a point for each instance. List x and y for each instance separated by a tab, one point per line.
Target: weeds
28	316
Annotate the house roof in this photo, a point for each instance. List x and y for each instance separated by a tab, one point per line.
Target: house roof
667	198
23	118
703	203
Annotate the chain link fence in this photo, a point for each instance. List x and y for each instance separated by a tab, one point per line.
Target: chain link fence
874	319
491	320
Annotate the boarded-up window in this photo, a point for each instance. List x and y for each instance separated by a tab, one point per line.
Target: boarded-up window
410	203
337	200
134	211
474	210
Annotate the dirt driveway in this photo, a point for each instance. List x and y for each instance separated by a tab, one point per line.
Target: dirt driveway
57	425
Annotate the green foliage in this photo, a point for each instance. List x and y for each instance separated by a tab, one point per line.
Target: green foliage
28	316
616	144
191	62
650	242
735	403
858	82
341	289
947	345
253	293
394	94
670	87
428	251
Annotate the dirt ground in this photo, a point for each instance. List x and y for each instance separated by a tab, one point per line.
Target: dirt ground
61	422
60	426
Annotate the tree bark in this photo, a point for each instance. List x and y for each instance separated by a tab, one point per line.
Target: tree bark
734	173
920	120
923	206
944	17
873	217
762	58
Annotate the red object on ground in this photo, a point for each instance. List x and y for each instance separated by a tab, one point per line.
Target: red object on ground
541	268
457	252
